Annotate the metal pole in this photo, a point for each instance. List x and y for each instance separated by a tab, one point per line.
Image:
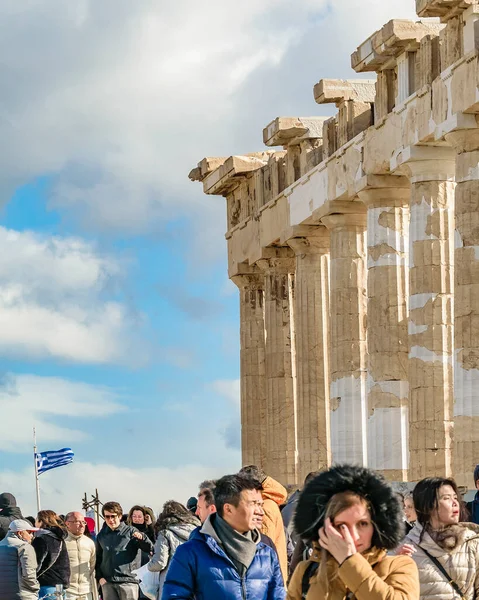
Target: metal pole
37	482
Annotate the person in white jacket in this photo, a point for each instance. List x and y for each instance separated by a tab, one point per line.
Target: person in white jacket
18	563
174	526
446	551
82	555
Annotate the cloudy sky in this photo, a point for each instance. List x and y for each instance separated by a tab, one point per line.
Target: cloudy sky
118	326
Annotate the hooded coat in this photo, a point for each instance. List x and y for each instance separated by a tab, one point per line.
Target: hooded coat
370	575
18	569
274	495
460	560
9	512
167	542
52	557
201	570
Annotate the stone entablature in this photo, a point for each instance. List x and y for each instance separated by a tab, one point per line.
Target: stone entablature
384	181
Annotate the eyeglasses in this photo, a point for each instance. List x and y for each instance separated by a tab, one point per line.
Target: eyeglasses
112	517
77	522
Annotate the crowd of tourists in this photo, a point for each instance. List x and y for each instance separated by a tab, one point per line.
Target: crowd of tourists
347	534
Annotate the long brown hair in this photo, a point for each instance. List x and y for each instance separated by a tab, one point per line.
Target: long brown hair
49	518
338	503
129	519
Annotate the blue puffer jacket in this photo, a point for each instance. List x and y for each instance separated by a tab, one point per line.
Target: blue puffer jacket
201	570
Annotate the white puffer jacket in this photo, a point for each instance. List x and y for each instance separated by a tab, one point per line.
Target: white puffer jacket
82	555
461	563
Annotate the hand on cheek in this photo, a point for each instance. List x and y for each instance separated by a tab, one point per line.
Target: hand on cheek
339	544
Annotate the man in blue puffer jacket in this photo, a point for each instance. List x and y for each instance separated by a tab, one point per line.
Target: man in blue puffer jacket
225	559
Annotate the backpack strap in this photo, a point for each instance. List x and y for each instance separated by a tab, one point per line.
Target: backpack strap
307	575
443	571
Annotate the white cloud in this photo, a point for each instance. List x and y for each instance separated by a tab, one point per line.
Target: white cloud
52	300
63	489
229	389
120	99
29	400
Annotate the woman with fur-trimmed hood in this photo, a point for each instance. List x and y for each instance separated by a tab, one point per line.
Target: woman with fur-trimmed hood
173	527
446	552
352	517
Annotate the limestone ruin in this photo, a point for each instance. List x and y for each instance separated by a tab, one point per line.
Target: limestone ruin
355	248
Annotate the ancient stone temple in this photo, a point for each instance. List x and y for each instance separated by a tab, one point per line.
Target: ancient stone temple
354	243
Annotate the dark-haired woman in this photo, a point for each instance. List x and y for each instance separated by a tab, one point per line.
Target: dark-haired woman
53	564
447	551
138	517
174	526
352	517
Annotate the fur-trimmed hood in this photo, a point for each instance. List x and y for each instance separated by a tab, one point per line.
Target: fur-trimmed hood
450	539
387	513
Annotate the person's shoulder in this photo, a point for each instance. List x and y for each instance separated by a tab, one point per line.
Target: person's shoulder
398	563
87	542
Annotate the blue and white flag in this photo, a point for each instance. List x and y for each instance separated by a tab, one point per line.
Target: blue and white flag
53	459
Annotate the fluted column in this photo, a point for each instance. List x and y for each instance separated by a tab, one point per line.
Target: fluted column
466	305
388	387
281	440
348	301
252	360
312	350
431	327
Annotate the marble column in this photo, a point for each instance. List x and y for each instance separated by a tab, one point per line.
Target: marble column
431	323
252	359
466	305
312	350
388	387
281	434
348	301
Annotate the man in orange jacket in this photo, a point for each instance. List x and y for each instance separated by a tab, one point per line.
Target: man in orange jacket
274	495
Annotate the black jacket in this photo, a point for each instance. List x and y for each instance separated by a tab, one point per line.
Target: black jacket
52	557
117	553
8	515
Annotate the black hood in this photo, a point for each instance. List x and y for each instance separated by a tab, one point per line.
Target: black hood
387	513
7	500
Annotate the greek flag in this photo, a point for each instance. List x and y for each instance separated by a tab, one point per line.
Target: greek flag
53	459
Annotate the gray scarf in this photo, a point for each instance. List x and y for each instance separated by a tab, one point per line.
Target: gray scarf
240	548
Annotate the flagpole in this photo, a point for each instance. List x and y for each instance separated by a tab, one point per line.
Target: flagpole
37	482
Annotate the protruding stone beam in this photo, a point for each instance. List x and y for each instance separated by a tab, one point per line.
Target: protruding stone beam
311	247
466	301
391	52
252	360
228	175
348	306
205	167
281	436
431	171
240	179
302	139
354	100
387	202
381	49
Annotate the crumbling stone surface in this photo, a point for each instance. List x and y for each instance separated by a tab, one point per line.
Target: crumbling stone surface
354	241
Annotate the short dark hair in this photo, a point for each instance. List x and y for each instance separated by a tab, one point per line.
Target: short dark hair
207	489
112	507
228	489
254	472
426	496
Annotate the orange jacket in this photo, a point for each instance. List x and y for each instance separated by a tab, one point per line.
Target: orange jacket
274	495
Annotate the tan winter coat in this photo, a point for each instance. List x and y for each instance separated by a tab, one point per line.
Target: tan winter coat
82	555
372	575
460	562
274	495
